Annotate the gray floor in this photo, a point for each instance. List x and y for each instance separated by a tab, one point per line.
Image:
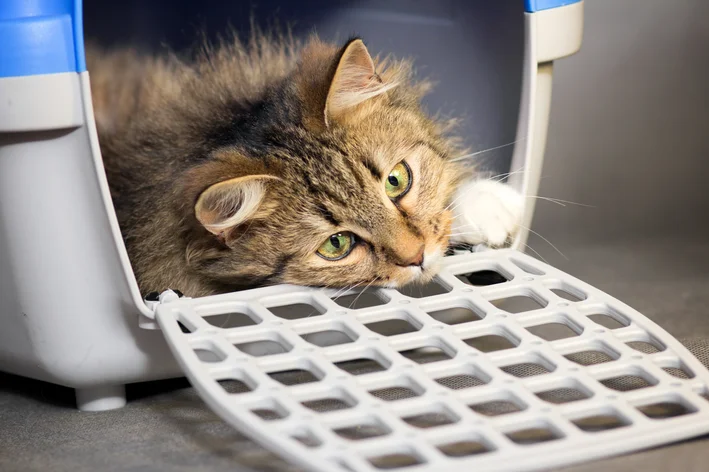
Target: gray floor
166	427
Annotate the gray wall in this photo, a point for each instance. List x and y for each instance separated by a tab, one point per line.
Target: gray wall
629	129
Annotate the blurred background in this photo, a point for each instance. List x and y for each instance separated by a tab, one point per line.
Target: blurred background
629	135
628	143
629	129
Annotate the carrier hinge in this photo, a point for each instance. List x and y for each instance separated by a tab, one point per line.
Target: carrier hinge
153	301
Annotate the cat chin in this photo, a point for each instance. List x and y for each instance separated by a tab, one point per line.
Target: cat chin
410	275
392	284
432	260
422	275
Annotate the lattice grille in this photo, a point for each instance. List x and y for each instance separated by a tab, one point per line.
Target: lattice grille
505	363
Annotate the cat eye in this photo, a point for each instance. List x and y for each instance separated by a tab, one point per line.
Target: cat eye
398	182
337	246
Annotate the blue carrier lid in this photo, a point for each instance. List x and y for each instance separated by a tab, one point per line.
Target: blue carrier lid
41	37
530	6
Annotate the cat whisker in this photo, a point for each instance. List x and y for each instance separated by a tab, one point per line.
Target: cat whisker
559	201
477	153
456	199
468	224
547	199
470	188
494	178
354	302
535	252
546	240
465	233
343	291
499	177
337	295
461	202
476	231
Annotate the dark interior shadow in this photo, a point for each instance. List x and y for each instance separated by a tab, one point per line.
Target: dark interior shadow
64	397
145	390
44	392
472	50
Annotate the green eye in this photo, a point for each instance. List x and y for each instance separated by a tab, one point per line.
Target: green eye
337	246
398	182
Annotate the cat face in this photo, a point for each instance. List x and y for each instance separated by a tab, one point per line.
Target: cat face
341	181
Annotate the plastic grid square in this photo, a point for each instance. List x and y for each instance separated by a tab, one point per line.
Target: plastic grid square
493	386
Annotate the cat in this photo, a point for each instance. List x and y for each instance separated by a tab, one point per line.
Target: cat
271	162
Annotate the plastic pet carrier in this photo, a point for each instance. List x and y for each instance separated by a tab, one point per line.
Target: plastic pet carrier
524	370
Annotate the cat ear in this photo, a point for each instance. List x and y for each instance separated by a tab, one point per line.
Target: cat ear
228	204
354	82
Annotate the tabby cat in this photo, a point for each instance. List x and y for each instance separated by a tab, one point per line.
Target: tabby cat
266	162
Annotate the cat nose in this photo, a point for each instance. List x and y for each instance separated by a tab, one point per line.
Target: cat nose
416	260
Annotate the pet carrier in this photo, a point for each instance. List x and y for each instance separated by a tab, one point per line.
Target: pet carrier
459	375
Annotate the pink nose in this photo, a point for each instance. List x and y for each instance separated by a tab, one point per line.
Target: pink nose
416	260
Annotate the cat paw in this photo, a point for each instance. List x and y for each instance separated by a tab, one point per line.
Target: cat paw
486	212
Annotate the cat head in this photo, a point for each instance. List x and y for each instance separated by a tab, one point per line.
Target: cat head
335	177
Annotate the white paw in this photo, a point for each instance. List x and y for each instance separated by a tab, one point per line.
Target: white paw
486	212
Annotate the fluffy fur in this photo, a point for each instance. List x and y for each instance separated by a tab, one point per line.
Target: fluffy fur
230	170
